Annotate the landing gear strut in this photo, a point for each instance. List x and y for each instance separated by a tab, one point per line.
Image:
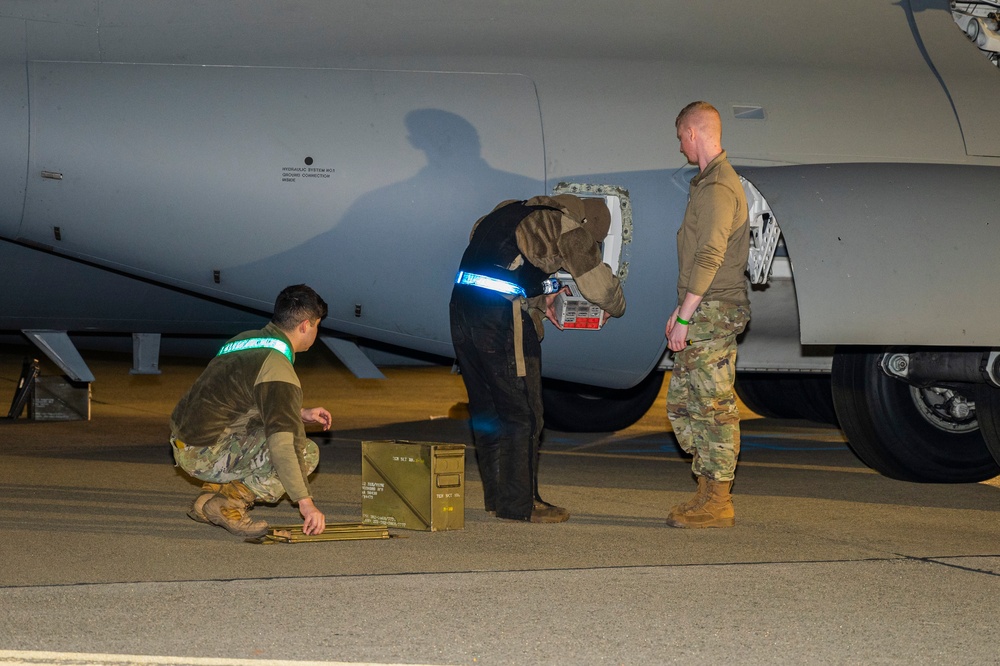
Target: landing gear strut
910	433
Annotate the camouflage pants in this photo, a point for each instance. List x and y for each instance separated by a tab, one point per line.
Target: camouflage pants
241	454
701	402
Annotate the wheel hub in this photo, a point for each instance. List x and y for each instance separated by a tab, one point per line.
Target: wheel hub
945	409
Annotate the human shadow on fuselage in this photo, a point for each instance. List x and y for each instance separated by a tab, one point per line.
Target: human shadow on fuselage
394	253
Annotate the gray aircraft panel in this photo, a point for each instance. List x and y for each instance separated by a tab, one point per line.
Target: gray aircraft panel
13	144
266	161
176	170
83	13
46	291
966	73
299	33
12	48
14	120
889	253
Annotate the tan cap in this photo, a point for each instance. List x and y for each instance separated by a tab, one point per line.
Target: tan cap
571	204
598	218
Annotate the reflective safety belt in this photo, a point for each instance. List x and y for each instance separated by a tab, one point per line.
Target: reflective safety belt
257	343
490	283
507	289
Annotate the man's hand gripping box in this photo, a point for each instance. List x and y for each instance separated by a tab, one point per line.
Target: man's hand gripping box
573	311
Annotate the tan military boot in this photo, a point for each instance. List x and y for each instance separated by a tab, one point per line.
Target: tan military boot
238	490
716	511
697	500
231	514
208	491
228	509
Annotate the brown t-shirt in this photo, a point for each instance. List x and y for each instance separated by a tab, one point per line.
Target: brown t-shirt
713	242
257	387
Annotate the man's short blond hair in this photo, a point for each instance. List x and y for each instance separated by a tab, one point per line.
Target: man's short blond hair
694	109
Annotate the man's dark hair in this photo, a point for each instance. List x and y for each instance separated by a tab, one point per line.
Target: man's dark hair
296	303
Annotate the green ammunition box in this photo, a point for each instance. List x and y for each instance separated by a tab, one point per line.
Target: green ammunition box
59	399
413	485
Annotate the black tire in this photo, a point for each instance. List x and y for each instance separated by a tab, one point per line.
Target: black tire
580	408
788	395
818	391
888	432
762	393
988	413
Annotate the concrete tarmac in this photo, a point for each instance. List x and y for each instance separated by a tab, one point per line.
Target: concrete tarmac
829	562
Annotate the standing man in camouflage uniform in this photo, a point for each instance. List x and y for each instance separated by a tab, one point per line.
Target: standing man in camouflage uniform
712	247
239	429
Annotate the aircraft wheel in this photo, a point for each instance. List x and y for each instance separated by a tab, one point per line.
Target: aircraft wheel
787	395
818	392
762	393
579	408
988	413
926	435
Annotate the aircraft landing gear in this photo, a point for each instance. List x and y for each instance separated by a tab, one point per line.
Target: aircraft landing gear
909	433
988	410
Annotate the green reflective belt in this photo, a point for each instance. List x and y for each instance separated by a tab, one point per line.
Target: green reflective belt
257	343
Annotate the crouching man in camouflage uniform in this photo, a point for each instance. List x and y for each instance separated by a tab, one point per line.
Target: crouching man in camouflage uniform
240	430
712	247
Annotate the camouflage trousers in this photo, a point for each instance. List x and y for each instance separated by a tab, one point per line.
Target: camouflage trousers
701	402
241	454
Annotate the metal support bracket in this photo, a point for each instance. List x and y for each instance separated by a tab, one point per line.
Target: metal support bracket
145	354
60	349
351	356
764	234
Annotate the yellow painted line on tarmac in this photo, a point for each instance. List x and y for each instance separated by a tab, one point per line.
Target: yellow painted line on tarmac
810	468
610	439
636	456
33	658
